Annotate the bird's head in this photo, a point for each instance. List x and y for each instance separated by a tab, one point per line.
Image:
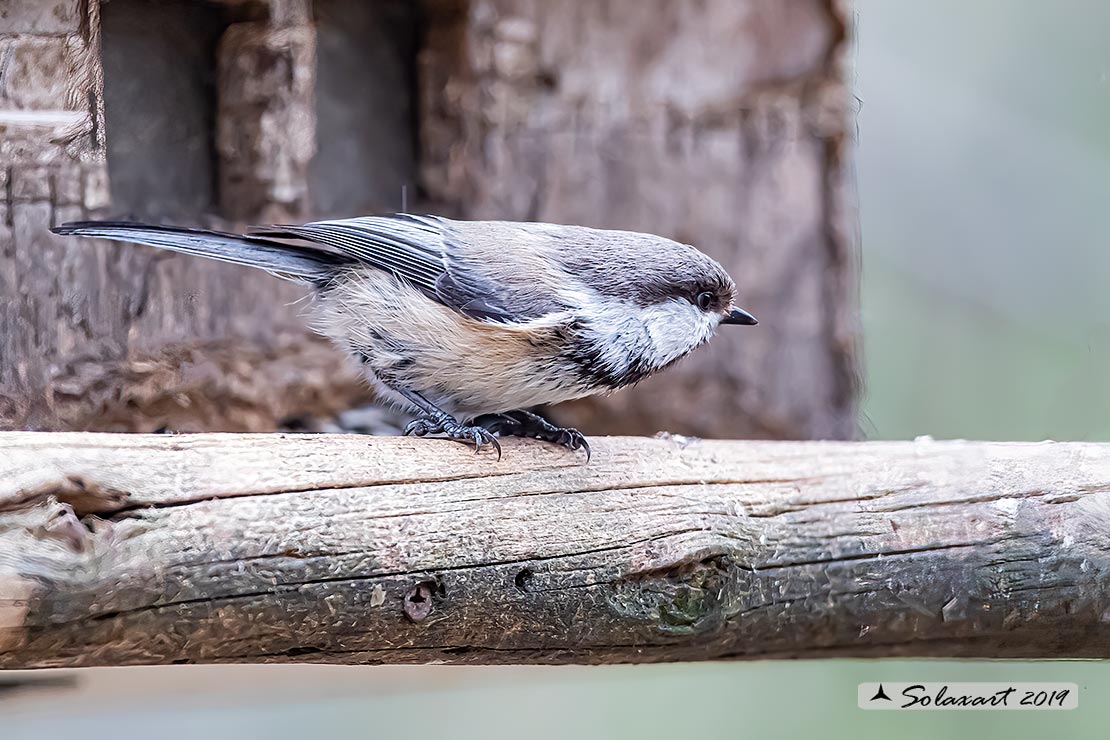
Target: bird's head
657	301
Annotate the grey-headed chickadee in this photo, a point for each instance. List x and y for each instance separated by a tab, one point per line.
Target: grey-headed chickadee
470	323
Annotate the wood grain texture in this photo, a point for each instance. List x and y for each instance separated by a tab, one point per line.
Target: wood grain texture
119	549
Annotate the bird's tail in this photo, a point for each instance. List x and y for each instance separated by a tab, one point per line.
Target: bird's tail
286	261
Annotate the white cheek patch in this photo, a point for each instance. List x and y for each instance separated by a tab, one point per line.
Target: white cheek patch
677	327
656	335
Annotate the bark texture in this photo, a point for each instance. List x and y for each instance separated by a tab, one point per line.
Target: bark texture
123	549
720	123
114	337
266	123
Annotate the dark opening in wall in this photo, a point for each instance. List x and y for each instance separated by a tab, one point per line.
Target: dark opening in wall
159	61
365	106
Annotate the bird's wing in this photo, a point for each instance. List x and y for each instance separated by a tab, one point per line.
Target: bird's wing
408	246
468	266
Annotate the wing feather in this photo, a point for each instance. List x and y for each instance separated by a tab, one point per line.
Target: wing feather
429	253
373	244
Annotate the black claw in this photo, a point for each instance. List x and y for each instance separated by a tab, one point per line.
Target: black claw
496	445
452	429
527	424
437	421
481	437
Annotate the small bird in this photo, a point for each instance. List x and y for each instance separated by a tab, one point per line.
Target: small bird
470	323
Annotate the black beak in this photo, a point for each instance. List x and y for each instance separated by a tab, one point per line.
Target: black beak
739	316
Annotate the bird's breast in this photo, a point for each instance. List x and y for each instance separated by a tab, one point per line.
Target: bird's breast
403	339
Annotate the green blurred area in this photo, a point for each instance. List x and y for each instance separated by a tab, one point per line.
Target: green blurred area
984	178
810	699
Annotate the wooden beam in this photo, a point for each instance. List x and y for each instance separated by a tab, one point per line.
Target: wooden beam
132	549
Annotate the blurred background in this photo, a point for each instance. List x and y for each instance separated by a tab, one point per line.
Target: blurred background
984	163
972	135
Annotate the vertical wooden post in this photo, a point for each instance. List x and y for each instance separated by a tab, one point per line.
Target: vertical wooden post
266	122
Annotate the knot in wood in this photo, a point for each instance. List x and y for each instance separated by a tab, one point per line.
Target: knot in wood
418	601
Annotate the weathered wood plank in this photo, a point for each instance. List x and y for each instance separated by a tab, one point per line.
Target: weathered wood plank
118	549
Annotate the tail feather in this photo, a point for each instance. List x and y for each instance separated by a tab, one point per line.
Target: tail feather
287	261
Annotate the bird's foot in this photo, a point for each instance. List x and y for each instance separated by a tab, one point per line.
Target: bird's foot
451	428
527	424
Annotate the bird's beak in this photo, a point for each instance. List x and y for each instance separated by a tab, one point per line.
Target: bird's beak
739	316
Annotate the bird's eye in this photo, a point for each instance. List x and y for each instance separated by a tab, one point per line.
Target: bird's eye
705	301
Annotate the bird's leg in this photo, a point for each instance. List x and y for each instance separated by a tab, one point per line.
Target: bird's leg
526	424
438	421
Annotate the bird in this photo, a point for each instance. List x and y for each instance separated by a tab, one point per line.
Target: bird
471	324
